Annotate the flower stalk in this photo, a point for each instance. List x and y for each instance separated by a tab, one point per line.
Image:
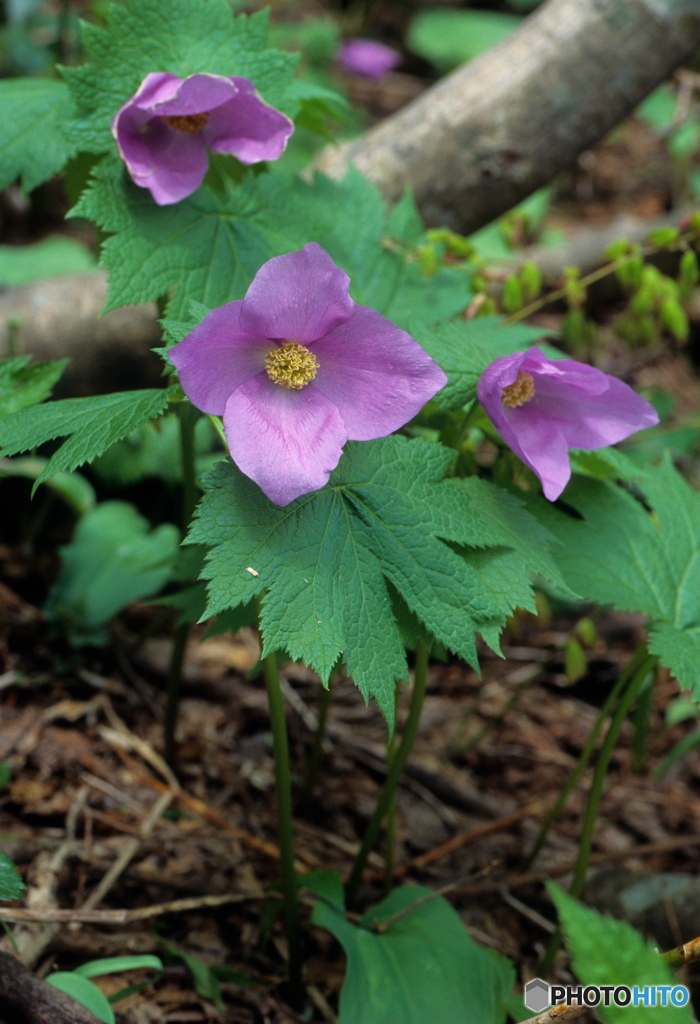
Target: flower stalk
645	664
396	767
187	417
285	833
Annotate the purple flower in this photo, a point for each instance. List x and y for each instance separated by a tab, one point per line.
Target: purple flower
164	130
541	408
367	57
296	368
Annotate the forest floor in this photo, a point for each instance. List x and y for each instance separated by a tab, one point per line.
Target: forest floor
81	731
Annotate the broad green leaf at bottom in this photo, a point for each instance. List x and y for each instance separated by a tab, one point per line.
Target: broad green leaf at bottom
424	968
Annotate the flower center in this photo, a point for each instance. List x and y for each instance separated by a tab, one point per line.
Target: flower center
520	391
292	365
188	124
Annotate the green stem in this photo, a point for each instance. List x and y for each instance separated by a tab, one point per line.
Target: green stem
324	703
187	416
394	773
635	683
637	658
172	703
285	834
390	825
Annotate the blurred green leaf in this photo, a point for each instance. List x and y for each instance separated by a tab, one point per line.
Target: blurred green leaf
112	560
23	383
610	952
73	488
11	885
52	257
448	37
84	992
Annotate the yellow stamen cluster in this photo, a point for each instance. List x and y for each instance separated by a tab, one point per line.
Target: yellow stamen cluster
188	124
292	365
520	391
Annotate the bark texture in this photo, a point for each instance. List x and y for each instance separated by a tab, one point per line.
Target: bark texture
26	999
500	127
61	317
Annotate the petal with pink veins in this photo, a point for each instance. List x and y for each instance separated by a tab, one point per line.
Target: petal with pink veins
376	374
288	441
297	297
216	357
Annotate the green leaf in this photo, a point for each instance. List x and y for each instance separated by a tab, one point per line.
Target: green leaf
621	555
33	145
424	967
52	257
610	952
465	349
91	425
153	449
74	489
22	385
11	885
205	981
84	992
324	561
117	964
140	36
111	561
449	37
209	247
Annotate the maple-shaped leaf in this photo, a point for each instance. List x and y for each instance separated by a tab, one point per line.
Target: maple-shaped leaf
90	425
34	145
324	563
208	248
623	555
182	37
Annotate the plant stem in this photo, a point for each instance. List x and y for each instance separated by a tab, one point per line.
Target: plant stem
390	826
394	773
636	680
285	834
172	702
187	417
324	703
589	746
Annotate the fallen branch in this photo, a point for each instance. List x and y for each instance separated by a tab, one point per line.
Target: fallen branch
26	999
503	125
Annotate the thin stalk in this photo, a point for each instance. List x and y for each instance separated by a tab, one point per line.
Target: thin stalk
187	416
642	727
390	826
172	702
589	746
324	703
394	773
635	683
283	790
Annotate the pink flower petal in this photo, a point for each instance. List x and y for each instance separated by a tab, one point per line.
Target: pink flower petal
368	57
216	357
297	297
540	444
573	406
248	127
376	374
170	164
196	94
288	441
171	160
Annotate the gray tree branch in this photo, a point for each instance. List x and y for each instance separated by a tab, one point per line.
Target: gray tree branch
500	127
